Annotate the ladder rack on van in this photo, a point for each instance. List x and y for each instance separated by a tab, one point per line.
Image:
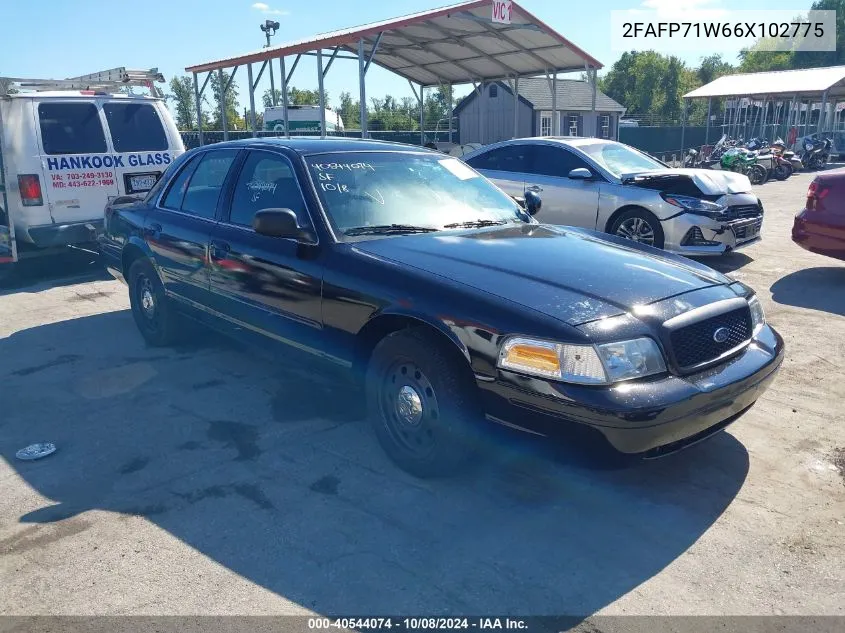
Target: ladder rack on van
105	80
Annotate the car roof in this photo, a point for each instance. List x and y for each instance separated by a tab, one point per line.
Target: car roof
311	145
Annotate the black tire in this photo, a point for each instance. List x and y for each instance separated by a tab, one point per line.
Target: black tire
626	222
757	174
153	313
432	430
782	172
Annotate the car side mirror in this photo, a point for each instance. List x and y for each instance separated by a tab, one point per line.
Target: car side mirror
278	223
532	202
581	173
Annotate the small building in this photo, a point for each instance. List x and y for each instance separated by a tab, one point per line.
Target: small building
574	107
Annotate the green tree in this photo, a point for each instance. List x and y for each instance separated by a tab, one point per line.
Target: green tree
350	111
181	96
231	103
712	67
267	97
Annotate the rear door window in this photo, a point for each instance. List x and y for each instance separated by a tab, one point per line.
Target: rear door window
510	158
206	183
71	128
135	127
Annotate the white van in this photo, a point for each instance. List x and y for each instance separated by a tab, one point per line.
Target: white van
64	154
301	118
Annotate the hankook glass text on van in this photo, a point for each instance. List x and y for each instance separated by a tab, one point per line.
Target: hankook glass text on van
108	160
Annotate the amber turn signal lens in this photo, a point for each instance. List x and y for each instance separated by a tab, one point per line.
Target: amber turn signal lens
543	359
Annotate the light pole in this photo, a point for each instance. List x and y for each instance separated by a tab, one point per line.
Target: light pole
269	28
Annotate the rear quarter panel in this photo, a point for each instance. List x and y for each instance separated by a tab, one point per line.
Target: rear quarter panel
21	155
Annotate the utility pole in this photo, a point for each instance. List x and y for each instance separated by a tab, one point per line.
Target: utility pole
270	27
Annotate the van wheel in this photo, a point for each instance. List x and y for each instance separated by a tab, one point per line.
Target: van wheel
639	225
421	404
153	313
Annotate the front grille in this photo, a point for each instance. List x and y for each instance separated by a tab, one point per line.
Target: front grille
747	230
694	344
694	237
744	211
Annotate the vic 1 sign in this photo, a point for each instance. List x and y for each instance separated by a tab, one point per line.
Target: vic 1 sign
502	11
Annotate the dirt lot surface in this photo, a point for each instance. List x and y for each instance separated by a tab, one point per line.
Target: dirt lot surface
211	480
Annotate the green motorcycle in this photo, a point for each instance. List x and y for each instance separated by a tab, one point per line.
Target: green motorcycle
744	161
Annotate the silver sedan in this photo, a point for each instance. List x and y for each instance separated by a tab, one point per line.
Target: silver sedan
612	187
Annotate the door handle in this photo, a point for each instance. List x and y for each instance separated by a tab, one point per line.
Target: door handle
153	229
219	250
534	188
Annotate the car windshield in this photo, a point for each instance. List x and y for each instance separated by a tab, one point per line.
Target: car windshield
367	193
620	159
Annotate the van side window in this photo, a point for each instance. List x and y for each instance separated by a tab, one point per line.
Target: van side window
206	183
135	127
71	128
266	181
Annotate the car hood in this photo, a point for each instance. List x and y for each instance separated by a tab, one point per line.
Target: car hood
570	274
711	182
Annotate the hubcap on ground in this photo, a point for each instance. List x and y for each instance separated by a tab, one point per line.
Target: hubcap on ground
409	407
636	229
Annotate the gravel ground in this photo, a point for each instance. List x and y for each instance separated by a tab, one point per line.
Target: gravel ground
212	480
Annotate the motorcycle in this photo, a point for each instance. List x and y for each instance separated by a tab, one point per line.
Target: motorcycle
776	166
788	154
744	161
816	151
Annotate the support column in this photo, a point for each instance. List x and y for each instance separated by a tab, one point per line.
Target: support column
449	95
362	88
707	124
322	97
822	113
422	114
198	96
284	78
272	84
222	97
481	109
683	125
555	113
251	100
593	75
516	107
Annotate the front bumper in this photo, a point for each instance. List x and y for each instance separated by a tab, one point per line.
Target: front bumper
648	417
726	236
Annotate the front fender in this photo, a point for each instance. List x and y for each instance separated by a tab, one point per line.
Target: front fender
449	330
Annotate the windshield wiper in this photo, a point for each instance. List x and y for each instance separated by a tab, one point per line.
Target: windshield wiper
472	224
384	229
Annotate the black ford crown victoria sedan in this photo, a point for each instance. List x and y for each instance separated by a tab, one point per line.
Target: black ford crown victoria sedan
442	295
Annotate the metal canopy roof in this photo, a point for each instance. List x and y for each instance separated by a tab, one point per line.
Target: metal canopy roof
457	44
809	82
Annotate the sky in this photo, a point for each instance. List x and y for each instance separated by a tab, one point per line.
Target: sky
62	38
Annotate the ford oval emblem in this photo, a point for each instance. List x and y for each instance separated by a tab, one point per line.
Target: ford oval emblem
721	334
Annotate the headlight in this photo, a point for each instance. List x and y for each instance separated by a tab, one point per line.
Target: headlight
582	364
758	318
695	205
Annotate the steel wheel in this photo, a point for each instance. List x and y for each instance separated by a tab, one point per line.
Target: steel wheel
409	408
147	302
636	229
151	310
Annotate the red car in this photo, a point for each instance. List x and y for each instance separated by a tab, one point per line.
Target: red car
820	226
